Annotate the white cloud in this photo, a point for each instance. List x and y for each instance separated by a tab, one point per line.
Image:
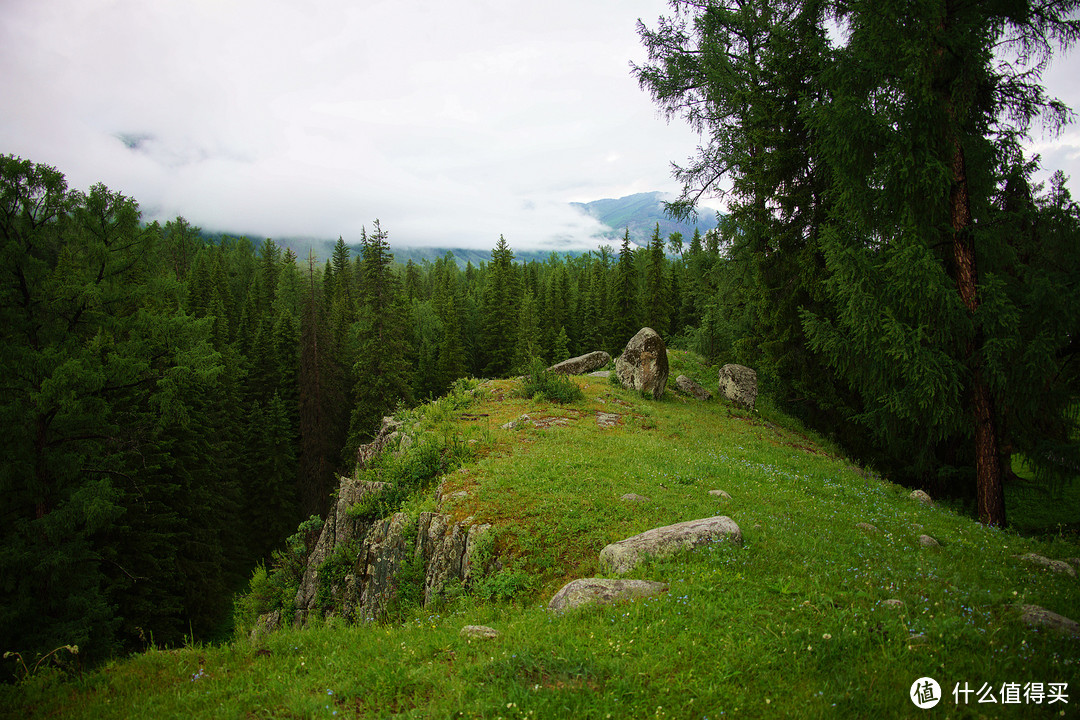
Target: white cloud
452	123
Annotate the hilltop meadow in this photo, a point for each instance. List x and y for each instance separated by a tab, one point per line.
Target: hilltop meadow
801	620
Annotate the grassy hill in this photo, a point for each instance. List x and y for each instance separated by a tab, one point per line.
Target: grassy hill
794	623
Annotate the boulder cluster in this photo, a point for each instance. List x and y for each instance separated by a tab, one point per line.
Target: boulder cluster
623	556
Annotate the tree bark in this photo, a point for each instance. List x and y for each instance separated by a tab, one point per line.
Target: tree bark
989	489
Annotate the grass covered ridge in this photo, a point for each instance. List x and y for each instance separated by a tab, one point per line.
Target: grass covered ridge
790	624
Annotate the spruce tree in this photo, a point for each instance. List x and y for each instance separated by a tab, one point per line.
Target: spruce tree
527	343
625	296
104	372
657	302
382	378
499	311
324	412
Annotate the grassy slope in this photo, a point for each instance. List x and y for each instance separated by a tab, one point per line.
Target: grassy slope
790	624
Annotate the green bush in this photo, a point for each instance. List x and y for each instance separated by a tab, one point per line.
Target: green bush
539	384
504	585
411	471
332	573
275	589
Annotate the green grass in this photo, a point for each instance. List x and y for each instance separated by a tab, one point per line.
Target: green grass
790	624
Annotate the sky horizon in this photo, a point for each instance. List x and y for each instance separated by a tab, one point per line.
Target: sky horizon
452	124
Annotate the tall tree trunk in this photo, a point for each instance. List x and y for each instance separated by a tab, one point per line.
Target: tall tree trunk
989	489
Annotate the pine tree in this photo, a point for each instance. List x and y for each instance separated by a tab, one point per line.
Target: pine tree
527	343
382	376
100	360
918	249
625	296
324	413
657	302
839	247
499	311
560	349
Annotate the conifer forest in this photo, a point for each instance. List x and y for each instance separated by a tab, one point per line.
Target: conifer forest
175	403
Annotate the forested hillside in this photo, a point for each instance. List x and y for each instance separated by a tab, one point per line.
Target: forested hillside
173	406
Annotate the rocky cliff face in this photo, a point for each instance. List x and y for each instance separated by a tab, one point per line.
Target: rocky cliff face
354	569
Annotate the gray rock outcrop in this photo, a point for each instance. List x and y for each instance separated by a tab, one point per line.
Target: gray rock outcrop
602	591
479	632
340	529
927	541
1041	617
643	364
607	419
390	432
581	364
374	553
738	383
367	591
447	551
623	556
685	385
266	624
515	424
354	566
1058	566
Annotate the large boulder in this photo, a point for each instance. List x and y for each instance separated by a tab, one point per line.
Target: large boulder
1040	617
602	591
685	385
1058	566
582	363
625	555
643	364
739	384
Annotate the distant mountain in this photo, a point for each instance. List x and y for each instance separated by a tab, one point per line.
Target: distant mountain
640	213
464	256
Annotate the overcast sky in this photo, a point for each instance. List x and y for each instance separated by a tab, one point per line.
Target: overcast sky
451	122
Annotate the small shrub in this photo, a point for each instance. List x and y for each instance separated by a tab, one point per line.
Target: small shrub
504	585
412	471
332	574
542	385
260	598
275	589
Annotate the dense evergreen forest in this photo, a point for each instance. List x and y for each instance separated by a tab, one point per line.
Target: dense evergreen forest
173	407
